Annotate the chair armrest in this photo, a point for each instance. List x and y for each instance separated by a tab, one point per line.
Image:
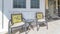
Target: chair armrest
23	20
9	23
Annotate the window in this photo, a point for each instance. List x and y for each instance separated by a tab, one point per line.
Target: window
19	3
34	3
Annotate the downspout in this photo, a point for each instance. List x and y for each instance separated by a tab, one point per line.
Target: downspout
2	14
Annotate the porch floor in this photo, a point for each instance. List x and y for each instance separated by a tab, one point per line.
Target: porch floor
53	28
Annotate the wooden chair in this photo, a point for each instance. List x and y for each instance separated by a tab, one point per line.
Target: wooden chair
40	20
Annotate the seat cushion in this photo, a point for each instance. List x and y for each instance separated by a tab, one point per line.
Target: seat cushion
41	20
18	24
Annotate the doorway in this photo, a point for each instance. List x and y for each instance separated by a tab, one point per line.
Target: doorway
59	8
53	10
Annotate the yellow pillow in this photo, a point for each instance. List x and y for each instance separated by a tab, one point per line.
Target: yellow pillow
16	18
39	15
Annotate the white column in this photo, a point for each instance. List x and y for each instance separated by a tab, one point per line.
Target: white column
46	4
57	7
0	15
56	4
28	4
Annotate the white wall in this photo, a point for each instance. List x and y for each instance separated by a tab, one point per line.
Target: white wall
8	4
0	15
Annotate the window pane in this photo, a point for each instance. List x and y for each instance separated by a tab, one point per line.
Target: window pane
34	3
19	3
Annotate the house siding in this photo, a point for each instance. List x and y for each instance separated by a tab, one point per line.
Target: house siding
8	10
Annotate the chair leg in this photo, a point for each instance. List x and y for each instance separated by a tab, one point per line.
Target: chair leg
37	27
9	31
26	30
47	26
32	27
19	32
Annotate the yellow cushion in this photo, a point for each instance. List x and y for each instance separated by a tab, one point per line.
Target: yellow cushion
41	20
39	15
16	18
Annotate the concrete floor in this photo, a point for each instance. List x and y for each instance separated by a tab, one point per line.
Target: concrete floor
53	28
